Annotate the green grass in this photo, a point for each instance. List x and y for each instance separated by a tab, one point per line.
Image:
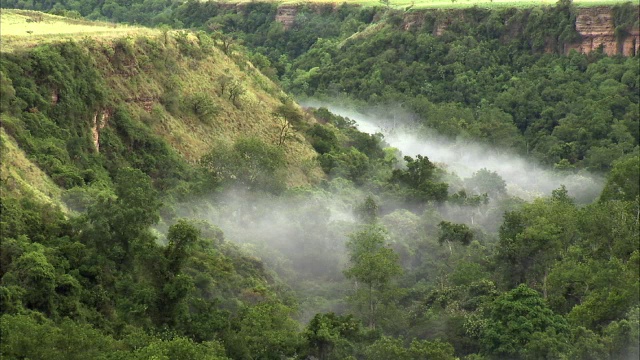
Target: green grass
20	176
23	29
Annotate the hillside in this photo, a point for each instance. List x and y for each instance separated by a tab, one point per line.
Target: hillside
170	85
103	130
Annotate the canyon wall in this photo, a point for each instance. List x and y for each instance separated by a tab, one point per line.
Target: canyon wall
597	28
286	15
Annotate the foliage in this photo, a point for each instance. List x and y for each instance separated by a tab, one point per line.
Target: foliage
249	162
621	184
454	232
533	238
330	333
517	321
121	276
202	106
485	181
420	180
389	348
372	264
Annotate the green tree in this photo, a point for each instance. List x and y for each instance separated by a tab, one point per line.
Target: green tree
485	181
518	322
327	331
264	331
622	336
351	164
533	238
120	227
421	180
390	348
182	235
7	94
173	285
35	337
368	210
373	264
33	272
249	162
450	232
290	112
623	182
386	3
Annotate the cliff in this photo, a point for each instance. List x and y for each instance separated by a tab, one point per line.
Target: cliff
597	28
286	15
147	101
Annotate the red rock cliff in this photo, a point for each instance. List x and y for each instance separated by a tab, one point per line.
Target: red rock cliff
597	28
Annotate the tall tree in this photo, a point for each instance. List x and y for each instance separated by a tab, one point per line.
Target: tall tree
533	238
373	264
518	321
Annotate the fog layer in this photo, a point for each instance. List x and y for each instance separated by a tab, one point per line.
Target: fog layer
525	178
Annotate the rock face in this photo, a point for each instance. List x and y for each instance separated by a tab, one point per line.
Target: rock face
286	15
413	20
439	29
100	119
597	27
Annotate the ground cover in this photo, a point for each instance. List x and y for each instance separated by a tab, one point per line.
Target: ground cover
23	28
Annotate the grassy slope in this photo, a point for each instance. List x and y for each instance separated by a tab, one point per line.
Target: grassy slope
22	28
21	176
141	86
449	4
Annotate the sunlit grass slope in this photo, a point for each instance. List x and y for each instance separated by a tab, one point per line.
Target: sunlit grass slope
22	28
21	176
158	77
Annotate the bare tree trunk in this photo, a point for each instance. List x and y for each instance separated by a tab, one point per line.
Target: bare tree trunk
544	284
372	323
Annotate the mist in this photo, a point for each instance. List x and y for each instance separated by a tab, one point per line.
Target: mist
525	178
301	234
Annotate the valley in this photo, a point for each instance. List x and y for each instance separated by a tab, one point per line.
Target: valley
310	180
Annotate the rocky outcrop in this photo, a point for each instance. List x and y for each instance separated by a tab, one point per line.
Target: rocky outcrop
100	119
595	25
286	15
631	45
597	28
55	97
413	20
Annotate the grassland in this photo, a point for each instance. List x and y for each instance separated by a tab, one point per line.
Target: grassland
190	136
21	176
449	4
22	29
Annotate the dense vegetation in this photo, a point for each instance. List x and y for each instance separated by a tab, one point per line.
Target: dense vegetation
387	257
490	68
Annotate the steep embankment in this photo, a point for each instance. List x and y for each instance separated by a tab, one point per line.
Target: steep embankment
614	28
78	111
114	127
606	27
21	176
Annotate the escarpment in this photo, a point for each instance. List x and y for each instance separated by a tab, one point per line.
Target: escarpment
598	29
595	27
286	15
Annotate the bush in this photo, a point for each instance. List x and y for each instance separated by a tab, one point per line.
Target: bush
202	106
